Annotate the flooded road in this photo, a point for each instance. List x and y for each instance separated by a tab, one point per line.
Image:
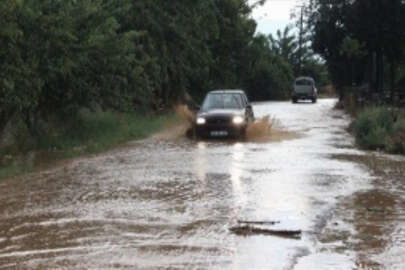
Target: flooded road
170	203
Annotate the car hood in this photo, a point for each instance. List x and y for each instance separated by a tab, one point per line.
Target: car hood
221	112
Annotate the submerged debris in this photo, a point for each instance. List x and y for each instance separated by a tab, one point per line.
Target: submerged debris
375	210
251	230
259	222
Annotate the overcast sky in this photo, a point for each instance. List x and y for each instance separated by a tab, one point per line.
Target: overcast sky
274	15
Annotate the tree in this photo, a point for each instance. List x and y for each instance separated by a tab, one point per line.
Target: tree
378	26
303	61
285	45
58	57
65	55
269	75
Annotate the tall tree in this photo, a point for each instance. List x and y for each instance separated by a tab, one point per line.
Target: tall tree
379	26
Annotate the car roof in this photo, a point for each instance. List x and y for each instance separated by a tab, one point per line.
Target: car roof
304	78
227	91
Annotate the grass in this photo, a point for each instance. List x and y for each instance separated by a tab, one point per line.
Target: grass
100	131
9	171
91	132
380	128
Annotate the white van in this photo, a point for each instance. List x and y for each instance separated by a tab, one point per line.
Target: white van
304	88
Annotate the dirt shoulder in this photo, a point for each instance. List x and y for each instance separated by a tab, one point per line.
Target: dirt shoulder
376	215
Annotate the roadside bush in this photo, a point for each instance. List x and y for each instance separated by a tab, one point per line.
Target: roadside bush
373	126
380	128
349	103
396	142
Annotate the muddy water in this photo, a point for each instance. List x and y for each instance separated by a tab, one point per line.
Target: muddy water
169	203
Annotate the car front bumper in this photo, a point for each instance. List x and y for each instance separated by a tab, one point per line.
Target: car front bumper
303	96
212	130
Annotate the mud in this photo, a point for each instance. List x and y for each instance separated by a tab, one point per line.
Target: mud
169	202
378	214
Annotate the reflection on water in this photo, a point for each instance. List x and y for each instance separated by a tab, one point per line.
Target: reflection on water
236	172
201	160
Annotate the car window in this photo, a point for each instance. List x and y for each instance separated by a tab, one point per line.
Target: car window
303	82
222	101
245	100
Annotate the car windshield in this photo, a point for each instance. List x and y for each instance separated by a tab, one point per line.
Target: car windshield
222	101
303	82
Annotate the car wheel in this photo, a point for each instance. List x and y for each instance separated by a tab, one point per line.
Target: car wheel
294	100
198	134
313	100
242	133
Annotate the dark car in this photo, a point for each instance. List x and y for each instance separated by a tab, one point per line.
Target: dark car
224	113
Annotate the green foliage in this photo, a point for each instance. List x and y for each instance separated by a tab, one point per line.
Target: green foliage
8	171
380	128
268	76
359	40
373	126
302	62
60	57
316	69
285	44
96	131
90	132
396	142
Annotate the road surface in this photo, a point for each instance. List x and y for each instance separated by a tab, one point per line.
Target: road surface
170	203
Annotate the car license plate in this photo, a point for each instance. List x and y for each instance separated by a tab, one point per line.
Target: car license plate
221	133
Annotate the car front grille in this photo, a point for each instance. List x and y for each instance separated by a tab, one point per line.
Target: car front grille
219	120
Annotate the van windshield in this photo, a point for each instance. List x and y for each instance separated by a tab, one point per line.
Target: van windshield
222	101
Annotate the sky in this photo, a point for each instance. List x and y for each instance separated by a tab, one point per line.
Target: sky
274	15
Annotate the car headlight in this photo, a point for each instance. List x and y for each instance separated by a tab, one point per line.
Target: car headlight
200	121
237	120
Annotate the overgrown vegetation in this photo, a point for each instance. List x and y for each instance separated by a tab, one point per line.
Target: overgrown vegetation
381	128
97	131
90	132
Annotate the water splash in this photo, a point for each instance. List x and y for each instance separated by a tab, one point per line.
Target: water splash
261	129
182	127
268	129
185	113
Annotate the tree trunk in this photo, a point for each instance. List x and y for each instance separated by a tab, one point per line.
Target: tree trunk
30	121
392	80
380	71
373	73
5	117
